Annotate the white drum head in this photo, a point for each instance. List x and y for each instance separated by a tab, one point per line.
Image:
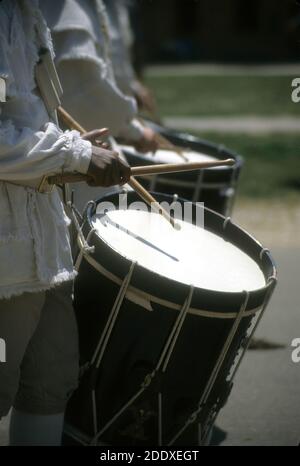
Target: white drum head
192	255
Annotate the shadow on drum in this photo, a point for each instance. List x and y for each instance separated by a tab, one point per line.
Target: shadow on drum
106	220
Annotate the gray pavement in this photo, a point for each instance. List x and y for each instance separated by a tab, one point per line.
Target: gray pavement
264	406
237	124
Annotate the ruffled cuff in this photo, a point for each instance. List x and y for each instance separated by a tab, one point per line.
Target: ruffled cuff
80	154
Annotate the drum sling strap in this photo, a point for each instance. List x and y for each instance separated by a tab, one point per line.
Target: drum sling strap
156	376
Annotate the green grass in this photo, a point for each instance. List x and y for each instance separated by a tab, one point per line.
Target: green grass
272	164
224	95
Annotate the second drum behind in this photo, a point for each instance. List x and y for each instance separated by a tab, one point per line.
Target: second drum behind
216	187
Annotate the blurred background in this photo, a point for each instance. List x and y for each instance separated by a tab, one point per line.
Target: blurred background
228	30
223	70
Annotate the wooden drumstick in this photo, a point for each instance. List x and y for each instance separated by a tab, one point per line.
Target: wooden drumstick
165	144
146	170
135	185
149	199
164	168
69	120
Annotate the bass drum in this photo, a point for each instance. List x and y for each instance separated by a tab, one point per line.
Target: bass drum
164	316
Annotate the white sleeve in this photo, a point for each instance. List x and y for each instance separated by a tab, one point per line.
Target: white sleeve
25	154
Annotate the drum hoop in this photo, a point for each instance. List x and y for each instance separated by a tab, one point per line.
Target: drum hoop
186	184
143	299
189	141
219	153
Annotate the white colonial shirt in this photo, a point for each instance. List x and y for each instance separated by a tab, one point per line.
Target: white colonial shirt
83	59
34	242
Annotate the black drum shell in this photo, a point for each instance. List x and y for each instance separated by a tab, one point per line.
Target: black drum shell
139	336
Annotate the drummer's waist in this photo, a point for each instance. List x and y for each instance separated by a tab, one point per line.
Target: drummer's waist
32	184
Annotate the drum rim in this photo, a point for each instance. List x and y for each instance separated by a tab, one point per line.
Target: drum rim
219	148
237	295
222	152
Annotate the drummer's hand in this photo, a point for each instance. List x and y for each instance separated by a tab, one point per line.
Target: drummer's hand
107	169
148	142
95	137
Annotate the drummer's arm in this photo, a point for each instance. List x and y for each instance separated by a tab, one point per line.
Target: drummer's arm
91	94
26	154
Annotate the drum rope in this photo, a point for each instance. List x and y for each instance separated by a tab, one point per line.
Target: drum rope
199	186
90	204
76	211
102	344
232	188
105	336
167	351
94	409
175	333
272	284
153	182
193	417
226	222
75	221
95	439
199	433
76	434
160	420
225	349
84	247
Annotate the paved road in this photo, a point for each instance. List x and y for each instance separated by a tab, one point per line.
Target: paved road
264	408
237	124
